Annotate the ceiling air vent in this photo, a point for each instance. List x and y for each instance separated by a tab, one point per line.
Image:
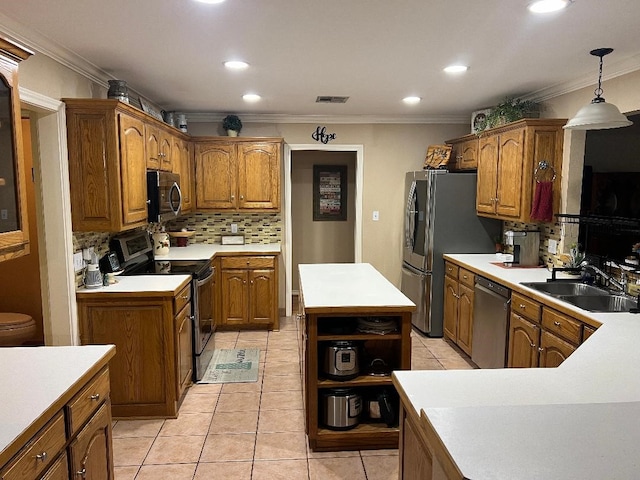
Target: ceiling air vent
331	99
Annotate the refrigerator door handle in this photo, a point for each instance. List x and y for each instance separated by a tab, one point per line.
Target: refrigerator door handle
410	221
415	271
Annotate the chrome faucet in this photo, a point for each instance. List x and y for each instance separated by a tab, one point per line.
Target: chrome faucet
618	284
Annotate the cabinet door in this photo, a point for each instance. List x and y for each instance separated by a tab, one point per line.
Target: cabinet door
184	364
183	165
259	176
487	174
553	350
524	338
133	170
166	152
262	297
234	297
14	227
91	453
216	176
465	318
415	457
469	155
510	168
152	136
450	307
59	470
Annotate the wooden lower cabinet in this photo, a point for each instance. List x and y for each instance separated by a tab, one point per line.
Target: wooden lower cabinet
536	335
249	292
91	452
152	335
458	306
415	459
75	443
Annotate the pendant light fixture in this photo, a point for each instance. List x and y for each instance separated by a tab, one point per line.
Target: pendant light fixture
599	114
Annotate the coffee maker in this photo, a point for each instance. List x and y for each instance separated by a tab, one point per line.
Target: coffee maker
525	247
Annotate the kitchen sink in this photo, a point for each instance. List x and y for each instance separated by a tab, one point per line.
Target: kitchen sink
601	303
585	296
566	288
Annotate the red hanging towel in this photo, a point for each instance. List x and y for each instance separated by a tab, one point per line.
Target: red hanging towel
542	207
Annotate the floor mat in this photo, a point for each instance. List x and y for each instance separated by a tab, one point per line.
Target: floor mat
232	366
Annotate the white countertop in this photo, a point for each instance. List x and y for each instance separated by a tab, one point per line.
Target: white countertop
203	251
140	284
532	423
32	379
348	285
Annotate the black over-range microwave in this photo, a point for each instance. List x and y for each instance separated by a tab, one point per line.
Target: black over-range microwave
164	197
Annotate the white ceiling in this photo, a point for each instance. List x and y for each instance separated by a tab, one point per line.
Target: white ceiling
374	51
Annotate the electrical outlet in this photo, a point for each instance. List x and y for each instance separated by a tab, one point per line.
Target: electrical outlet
376	215
234	228
86	255
78	263
553	247
4	214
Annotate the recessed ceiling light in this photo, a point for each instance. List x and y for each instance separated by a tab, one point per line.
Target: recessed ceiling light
548	6
210	1
456	68
411	100
236	65
251	97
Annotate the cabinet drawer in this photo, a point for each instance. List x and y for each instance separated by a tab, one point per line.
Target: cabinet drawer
39	453
451	269
562	325
525	307
248	262
466	277
87	401
182	298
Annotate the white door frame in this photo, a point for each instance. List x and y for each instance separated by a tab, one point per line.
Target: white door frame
288	258
53	212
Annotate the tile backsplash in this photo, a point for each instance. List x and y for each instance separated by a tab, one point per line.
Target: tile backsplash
209	227
548	231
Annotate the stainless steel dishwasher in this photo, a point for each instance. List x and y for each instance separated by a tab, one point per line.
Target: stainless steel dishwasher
490	322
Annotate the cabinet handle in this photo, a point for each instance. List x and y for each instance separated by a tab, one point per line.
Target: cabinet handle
540	349
185	297
233	197
450	269
95	397
251	282
522	307
556	323
244	282
533	345
241	197
41	456
464	276
82	473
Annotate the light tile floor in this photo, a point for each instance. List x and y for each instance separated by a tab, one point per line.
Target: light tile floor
255	431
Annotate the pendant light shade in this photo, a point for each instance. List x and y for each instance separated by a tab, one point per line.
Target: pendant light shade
599	114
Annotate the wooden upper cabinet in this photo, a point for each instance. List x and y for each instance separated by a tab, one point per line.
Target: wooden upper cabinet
259	176
182	157
14	227
159	148
216	181
133	171
238	174
507	159
464	155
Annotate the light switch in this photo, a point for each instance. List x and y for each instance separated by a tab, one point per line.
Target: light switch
376	215
234	228
553	246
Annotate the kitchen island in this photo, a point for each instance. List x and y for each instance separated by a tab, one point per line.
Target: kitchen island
333	296
55	412
579	420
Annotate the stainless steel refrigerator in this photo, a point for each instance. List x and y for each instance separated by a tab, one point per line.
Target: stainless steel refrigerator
440	218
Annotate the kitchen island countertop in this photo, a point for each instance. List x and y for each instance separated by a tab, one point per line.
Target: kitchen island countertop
574	421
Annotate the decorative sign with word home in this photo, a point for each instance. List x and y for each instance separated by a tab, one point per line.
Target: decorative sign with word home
321	135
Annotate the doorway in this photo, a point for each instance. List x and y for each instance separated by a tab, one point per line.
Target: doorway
20	277
293	153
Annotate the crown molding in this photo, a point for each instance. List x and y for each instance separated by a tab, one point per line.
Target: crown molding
614	70
209	117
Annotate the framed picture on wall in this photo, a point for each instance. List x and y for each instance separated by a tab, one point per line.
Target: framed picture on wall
329	192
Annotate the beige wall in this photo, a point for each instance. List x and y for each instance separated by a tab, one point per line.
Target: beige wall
389	152
319	241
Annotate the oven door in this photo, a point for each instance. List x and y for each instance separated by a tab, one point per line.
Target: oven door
203	311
